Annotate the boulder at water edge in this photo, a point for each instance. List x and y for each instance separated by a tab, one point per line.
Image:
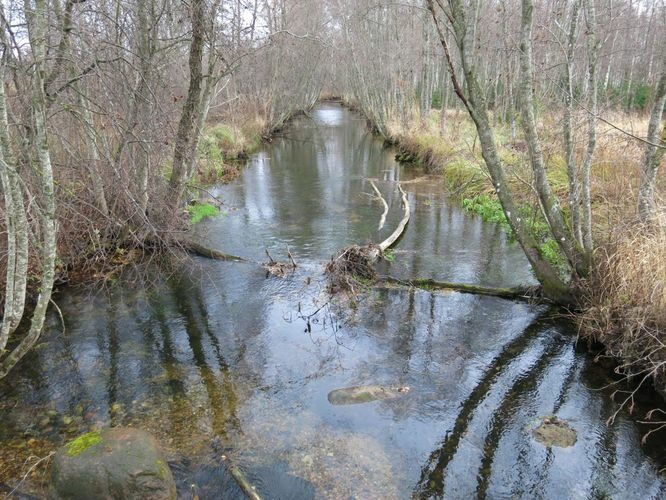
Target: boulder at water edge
120	463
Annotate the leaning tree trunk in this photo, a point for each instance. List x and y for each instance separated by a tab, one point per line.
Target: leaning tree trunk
37	17
549	202
654	151
184	153
554	286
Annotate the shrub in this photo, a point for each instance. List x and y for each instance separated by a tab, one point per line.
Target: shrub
625	302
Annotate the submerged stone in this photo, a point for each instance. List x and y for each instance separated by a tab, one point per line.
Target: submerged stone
555	432
364	394
112	463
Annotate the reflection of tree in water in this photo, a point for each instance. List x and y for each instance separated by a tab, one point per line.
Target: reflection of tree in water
432	481
222	398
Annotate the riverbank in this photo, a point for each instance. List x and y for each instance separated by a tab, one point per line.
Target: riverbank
220	352
623	302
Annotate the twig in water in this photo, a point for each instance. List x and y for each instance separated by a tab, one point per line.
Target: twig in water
32	467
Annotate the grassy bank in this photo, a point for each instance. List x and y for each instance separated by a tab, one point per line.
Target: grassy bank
223	148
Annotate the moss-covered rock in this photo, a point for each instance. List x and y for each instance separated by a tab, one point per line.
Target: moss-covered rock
555	432
364	394
112	463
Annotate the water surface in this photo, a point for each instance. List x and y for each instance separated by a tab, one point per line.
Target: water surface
223	358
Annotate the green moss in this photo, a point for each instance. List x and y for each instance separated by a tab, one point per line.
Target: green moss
162	469
200	211
82	443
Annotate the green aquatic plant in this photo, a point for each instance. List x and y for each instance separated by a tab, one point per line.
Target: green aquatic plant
489	209
200	211
82	443
389	255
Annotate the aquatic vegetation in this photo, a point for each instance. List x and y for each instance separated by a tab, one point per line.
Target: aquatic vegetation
488	208
389	255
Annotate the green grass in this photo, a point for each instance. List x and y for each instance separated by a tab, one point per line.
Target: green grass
389	255
200	211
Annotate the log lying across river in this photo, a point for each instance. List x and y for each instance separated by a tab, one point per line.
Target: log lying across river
527	294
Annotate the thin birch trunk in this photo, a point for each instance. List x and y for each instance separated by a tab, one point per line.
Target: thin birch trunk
592	57
653	153
569	142
549	202
37	17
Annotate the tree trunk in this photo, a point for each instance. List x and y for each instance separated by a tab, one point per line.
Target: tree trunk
569	142
549	202
184	154
37	30
592	56
653	154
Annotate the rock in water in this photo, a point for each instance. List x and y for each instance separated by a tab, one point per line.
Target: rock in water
364	394
120	463
555	432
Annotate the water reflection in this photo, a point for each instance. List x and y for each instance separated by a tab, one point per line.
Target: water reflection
221	353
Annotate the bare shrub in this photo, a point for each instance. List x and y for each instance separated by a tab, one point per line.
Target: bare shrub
626	302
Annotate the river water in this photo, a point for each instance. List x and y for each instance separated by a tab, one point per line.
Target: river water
221	357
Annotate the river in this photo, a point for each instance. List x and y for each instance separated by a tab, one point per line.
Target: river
225	353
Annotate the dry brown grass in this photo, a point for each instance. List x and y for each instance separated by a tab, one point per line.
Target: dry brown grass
626	301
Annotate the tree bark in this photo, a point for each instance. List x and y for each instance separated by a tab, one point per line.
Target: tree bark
653	154
184	154
37	17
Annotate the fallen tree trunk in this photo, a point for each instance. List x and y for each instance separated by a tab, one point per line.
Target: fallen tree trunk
210	253
354	265
395	236
526	294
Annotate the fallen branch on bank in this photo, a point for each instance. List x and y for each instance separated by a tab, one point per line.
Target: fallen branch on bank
354	265
526	294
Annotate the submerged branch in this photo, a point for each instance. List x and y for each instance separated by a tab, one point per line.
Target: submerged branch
382	220
527	294
210	253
